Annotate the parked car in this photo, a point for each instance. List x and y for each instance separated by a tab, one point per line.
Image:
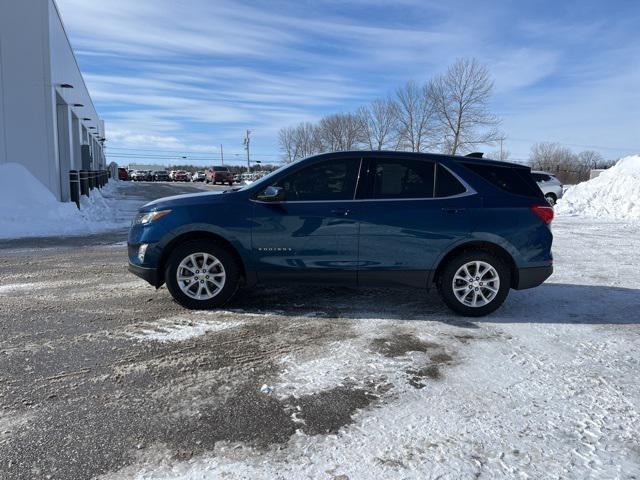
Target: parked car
139	176
219	175
472	228
123	174
161	176
180	176
198	177
551	187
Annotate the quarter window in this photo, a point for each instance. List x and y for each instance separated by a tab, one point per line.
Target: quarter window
402	178
329	180
447	185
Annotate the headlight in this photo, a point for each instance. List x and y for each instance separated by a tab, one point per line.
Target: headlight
145	218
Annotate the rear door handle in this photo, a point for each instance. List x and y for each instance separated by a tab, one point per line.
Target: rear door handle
341	211
453	211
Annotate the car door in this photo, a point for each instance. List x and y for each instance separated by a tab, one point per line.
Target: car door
310	235
412	210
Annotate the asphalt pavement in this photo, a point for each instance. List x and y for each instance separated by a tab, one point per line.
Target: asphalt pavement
85	388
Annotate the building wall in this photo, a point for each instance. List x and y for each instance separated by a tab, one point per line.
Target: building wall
25	90
40	127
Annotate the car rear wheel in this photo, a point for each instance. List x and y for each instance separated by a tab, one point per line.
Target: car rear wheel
475	283
201	274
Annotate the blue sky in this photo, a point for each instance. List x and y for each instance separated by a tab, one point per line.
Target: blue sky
185	76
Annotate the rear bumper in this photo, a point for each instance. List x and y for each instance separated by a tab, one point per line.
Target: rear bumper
532	277
148	274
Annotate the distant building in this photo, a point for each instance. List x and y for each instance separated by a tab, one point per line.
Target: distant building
48	122
595	172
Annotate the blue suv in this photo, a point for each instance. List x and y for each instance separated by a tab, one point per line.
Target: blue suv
474	228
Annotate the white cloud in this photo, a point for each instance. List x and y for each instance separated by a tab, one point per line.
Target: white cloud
198	73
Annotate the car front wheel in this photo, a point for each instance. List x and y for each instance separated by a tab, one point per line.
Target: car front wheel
201	275
474	283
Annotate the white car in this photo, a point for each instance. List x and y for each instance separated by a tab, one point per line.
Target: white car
550	186
198	177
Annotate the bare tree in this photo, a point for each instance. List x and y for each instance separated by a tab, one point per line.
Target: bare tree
341	131
591	159
288	144
379	124
461	100
415	115
559	160
307	140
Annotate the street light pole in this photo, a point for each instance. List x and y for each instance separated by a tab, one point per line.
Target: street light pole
221	154
246	142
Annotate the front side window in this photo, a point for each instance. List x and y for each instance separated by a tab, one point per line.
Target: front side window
328	180
402	178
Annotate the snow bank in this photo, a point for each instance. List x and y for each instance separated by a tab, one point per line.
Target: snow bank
614	194
29	209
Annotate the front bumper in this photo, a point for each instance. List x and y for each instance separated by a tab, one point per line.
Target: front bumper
148	274
533	276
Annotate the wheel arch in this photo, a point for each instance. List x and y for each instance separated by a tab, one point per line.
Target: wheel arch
202	235
485	245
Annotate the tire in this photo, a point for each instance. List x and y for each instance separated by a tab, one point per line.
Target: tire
551	199
486	261
198	249
230	184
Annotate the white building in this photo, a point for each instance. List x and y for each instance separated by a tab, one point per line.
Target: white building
47	120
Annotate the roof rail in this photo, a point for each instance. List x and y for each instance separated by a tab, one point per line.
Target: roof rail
475	154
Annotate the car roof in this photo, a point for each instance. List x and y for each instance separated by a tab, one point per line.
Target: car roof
418	155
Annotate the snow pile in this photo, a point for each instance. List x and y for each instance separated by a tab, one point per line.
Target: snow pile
29	209
614	194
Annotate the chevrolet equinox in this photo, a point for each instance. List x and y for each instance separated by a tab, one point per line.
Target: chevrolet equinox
472	227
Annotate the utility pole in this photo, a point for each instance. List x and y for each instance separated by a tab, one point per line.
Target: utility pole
221	154
501	140
246	143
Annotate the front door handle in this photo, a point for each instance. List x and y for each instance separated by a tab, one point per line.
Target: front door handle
453	211
341	211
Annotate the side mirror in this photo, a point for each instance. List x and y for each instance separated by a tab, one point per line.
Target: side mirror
271	194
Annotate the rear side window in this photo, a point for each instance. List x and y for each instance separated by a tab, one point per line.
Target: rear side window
517	181
446	184
402	178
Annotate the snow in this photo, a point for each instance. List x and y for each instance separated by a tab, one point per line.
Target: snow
544	388
614	194
29	209
182	327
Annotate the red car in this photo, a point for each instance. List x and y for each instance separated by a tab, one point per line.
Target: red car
219	174
123	174
180	176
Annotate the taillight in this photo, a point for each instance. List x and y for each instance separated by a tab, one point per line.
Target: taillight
544	212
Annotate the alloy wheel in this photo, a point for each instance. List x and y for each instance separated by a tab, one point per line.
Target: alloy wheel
201	276
476	284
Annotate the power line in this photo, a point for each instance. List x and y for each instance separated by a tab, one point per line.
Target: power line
600	147
188	152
